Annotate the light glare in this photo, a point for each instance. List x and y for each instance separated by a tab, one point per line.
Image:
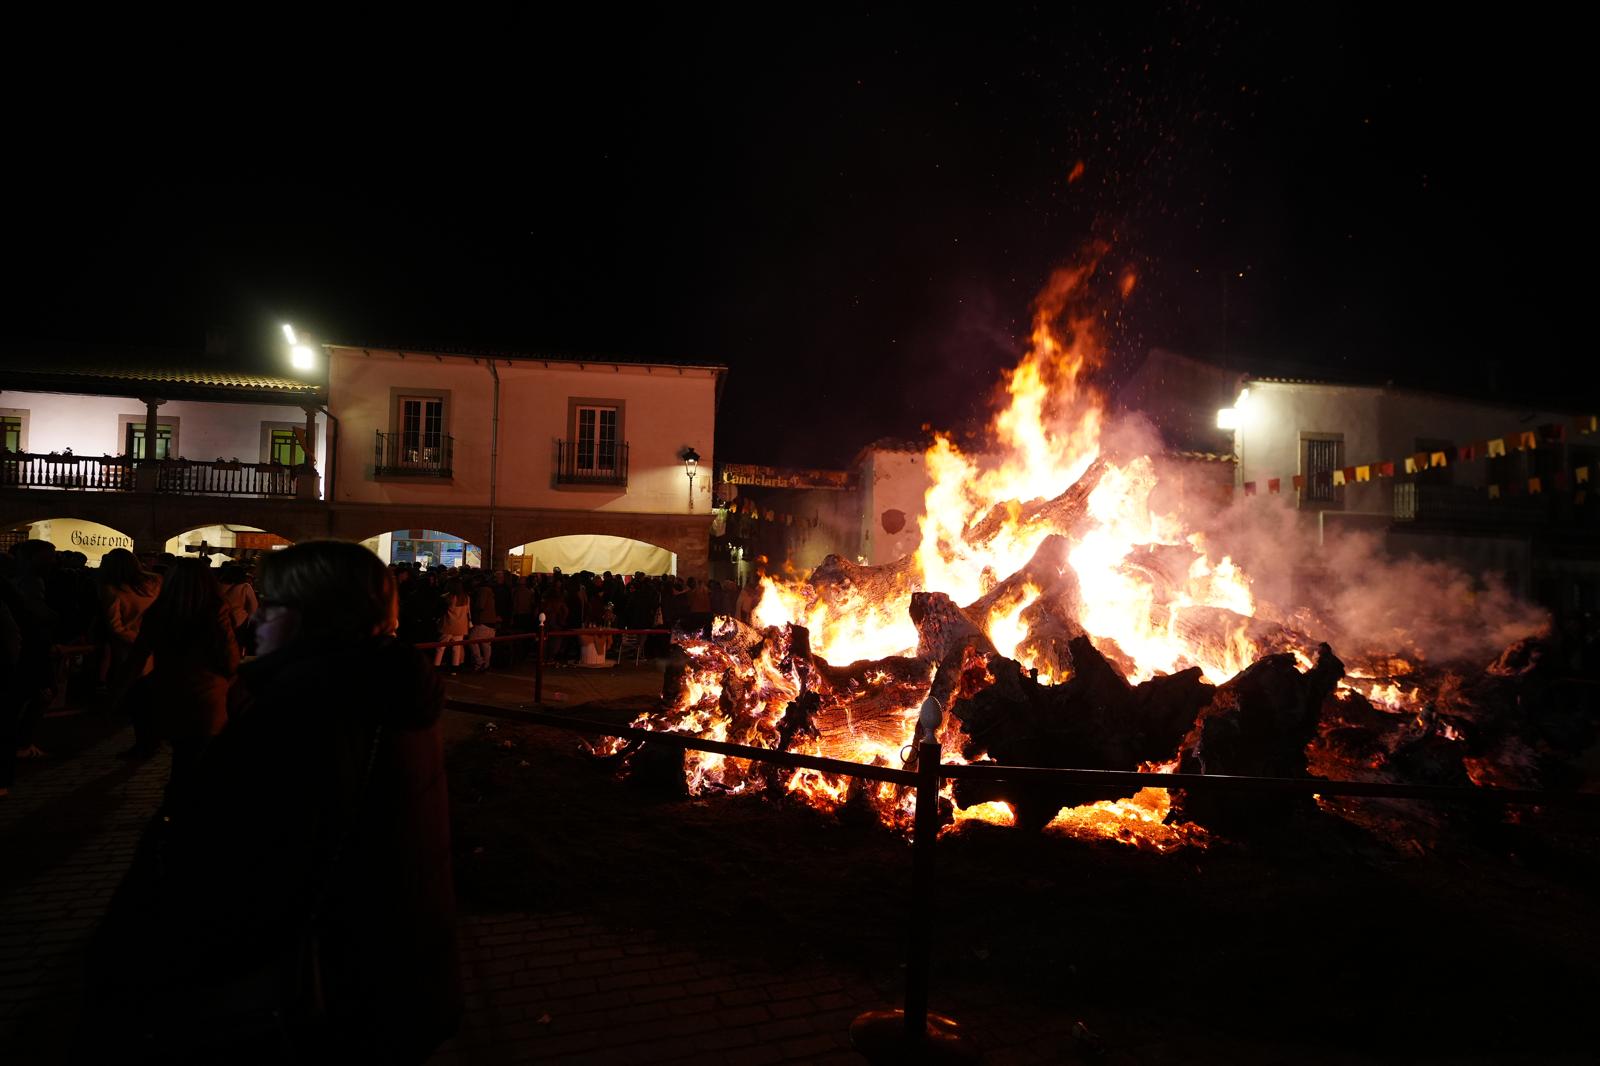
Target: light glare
1228	418
300	357
288	333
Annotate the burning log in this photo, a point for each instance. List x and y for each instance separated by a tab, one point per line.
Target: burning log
1096	721
1258	724
949	639
1063	512
1052	618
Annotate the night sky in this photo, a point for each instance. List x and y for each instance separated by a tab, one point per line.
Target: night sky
852	212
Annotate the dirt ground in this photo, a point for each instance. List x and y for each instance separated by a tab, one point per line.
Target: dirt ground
1336	940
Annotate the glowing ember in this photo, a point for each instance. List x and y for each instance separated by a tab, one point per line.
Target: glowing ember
1044	537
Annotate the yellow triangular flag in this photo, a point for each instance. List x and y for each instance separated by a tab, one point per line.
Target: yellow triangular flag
1338	477
1438	459
1363	473
1494	492
1411	464
1535	486
1497	446
1583	474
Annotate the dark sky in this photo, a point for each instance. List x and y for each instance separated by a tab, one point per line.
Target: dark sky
852	211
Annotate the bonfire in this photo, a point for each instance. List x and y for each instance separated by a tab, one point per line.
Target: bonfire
1058	617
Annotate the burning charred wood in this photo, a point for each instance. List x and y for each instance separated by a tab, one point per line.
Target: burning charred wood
1063	512
1096	721
949	639
1259	723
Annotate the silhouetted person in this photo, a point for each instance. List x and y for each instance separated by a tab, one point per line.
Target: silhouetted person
307	871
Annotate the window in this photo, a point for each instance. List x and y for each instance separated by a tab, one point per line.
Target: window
283	446
596	440
594	452
418	441
11	433
421	427
1320	455
133	434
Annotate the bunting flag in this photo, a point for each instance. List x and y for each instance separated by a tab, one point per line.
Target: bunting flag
1411	464
1249	488
1386	470
1338	477
1438	460
1495	447
1494	492
1553	431
1363	473
1298	481
1560	478
1586	424
1535	486
1583	475
1468	452
1273	485
1527	440
1349	475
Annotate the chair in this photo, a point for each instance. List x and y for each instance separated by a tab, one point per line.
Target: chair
630	642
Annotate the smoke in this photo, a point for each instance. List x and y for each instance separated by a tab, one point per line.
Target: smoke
1346	587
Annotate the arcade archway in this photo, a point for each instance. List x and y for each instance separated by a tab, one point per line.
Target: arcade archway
224	543
427	548
594	552
70	535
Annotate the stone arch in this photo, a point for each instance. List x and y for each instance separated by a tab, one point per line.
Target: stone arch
231	541
597	552
437	547
86	535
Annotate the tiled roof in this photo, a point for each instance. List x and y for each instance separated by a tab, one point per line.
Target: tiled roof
530	357
206	376
71	367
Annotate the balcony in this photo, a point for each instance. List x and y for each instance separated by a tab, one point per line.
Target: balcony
583	462
1422	503
408	455
120	473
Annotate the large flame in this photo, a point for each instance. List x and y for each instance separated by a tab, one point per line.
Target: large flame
1148	591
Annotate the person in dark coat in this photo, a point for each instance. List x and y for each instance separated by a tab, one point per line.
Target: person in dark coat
317	828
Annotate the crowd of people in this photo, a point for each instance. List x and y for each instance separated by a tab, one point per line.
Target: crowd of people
157	637
461	606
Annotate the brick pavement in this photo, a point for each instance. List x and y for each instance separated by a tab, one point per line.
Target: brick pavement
556	987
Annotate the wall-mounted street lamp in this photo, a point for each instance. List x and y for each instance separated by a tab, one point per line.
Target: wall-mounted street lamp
691	461
1230	417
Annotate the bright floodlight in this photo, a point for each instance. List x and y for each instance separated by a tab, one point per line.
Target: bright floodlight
1228	418
288	333
300	357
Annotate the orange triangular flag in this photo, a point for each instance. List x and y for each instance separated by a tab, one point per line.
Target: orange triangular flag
1363	473
1273	485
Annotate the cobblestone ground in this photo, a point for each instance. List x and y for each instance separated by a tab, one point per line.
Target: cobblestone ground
553	988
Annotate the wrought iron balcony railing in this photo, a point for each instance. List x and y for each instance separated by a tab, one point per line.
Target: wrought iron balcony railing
587	462
411	455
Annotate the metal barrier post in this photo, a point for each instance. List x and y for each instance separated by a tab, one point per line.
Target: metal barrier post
538	667
912	1035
